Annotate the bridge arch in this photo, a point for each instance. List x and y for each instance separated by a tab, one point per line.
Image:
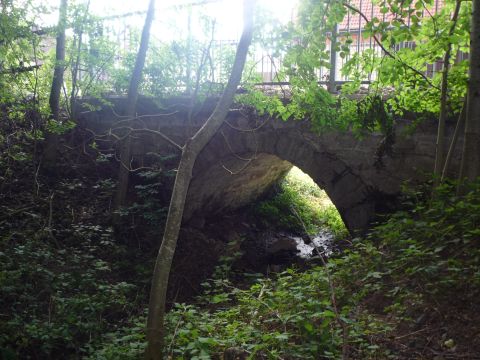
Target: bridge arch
238	166
345	166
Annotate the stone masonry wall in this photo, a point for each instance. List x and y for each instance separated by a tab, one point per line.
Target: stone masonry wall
250	153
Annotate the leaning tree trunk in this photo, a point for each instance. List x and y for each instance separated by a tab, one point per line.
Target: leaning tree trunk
470	168
193	146
51	139
126	151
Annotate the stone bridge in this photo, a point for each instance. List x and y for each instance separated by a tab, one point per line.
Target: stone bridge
252	152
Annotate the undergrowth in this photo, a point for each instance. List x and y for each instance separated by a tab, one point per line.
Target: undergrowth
408	290
71	288
63	278
66	277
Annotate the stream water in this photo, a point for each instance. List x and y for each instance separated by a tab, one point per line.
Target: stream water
323	241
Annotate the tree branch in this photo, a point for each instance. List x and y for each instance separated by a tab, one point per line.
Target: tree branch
389	54
20	69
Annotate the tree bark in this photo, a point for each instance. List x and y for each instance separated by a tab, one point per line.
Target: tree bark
57	82
440	145
188	70
135	80
76	64
156	311
470	168
453	143
51	139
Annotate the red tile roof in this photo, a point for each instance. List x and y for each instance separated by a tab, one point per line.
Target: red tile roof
354	21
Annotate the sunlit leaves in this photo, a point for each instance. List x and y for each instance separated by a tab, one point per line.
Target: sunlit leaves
415	36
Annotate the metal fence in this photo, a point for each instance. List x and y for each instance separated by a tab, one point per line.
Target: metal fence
353	25
267	67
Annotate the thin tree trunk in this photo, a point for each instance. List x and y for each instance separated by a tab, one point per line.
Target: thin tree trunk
76	65
470	168
188	73
198	76
156	311
453	143
51	139
440	145
57	82
135	80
